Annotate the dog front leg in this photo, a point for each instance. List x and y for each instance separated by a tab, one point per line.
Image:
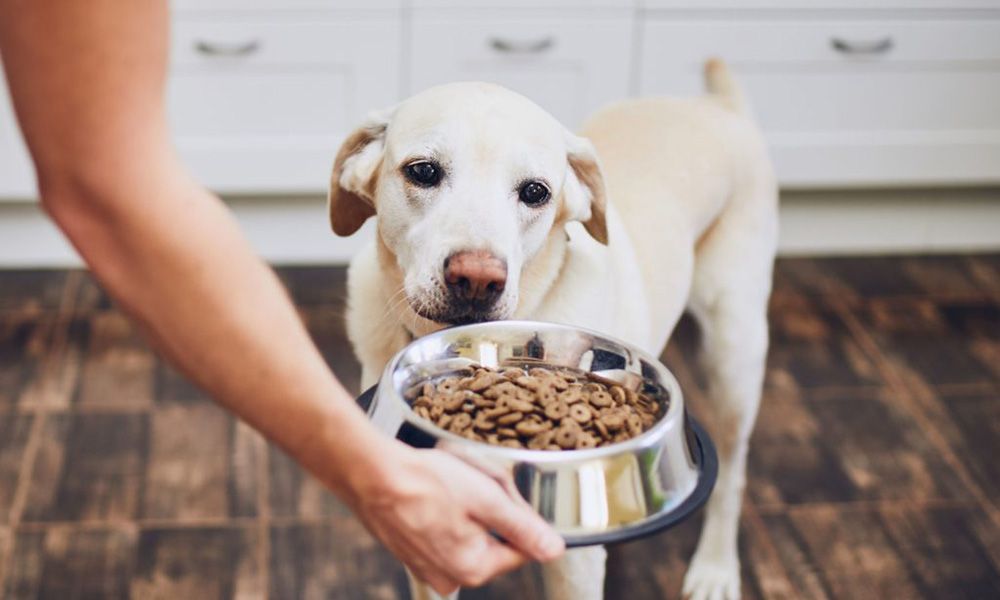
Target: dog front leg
578	575
421	591
734	334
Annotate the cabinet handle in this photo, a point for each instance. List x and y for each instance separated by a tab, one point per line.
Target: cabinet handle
871	47
216	49
526	47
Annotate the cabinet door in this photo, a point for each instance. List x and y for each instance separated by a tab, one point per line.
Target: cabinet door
17	176
570	65
260	105
847	102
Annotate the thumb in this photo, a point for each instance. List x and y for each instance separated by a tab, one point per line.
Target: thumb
517	523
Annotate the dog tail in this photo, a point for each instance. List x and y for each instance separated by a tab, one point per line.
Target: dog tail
720	83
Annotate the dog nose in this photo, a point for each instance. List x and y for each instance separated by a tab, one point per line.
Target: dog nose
475	276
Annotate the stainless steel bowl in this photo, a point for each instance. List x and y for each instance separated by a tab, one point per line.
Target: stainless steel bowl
593	496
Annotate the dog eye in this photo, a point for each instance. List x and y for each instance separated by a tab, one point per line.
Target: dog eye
423	173
533	193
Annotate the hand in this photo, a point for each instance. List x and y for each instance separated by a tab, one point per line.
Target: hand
435	513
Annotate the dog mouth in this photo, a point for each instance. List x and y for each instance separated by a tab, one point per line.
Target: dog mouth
452	315
457	313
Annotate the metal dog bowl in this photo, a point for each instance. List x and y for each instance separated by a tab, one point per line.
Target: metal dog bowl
593	496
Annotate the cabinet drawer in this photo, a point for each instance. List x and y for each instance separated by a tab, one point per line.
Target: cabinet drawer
253	5
921	111
570	66
821	4
831	42
262	105
490	4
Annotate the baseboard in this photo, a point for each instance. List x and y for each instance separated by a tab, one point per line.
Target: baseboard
929	221
294	230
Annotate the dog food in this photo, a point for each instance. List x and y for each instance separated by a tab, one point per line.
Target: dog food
539	408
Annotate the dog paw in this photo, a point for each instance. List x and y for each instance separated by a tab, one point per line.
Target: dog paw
712	580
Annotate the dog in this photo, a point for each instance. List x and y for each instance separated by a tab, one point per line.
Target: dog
487	208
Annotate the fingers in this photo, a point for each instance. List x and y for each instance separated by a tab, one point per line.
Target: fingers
517	523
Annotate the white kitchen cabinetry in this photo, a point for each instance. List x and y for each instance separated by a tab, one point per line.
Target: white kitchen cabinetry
261	104
850	93
847	102
570	66
17	179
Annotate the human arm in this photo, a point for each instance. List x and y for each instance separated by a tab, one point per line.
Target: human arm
87	82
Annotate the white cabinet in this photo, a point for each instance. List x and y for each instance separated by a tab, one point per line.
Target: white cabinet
280	5
849	92
569	65
17	178
848	102
261	104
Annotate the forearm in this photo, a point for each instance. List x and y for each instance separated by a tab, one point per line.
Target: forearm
87	84
172	256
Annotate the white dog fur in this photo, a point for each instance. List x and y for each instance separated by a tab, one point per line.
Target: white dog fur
664	205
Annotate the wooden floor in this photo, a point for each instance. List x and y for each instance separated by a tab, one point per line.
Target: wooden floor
874	469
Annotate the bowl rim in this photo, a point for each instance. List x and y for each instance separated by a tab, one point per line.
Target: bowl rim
672	419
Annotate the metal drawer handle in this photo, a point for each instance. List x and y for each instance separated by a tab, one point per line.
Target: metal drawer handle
215	49
527	47
873	47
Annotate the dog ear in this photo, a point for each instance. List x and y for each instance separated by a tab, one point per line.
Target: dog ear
351	200
585	194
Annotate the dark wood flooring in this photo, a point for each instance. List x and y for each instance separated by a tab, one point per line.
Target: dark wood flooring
874	469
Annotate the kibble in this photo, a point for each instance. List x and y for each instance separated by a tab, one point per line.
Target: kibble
539	408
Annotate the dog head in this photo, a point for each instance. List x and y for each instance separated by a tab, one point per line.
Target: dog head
467	182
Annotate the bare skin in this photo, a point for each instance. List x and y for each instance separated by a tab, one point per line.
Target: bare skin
87	82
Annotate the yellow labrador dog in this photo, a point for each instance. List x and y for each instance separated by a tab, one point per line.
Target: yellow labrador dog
487	208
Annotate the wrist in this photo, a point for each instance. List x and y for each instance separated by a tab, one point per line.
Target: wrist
350	456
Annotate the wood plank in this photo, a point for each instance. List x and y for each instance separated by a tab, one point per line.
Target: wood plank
931	340
25	566
117	369
328	331
189	471
653	568
852	554
316	286
46	473
798	564
790	459
24	343
90	467
171	387
870	276
811	347
247	460
338	560
977	428
6	546
945	558
52	386
943	276
202	563
31	289
295	493
846	447
808	277
87	563
14	434
90	297
64	562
